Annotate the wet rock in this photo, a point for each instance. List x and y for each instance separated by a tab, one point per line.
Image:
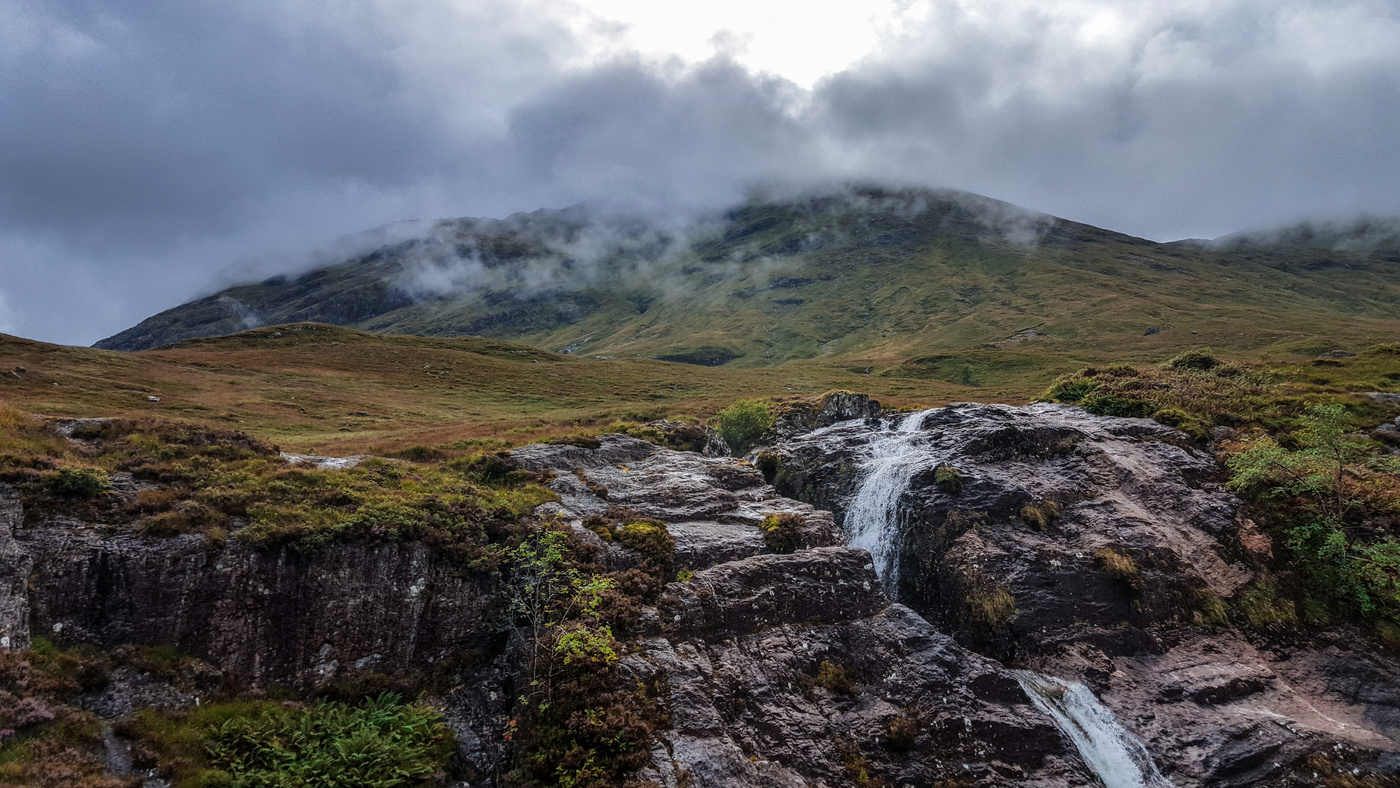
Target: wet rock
264	617
1042	491
714	503
741	646
805	415
744	651
1109	538
15	565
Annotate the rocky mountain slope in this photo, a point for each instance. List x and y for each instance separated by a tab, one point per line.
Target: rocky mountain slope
1031	596
916	283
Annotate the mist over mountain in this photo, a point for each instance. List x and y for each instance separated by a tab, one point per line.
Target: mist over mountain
857	272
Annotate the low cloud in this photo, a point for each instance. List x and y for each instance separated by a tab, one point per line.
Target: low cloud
7	325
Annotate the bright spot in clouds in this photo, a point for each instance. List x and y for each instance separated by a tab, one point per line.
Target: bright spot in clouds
800	41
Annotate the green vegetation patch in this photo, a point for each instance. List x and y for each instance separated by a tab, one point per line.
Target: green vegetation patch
225	484
782	533
1319	480
743	423
44	738
381	742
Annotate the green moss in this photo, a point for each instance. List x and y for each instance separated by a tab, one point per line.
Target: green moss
782	533
1120	567
1263	607
948	478
990	608
835	678
1041	514
1210	609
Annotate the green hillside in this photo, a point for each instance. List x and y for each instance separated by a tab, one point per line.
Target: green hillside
909	283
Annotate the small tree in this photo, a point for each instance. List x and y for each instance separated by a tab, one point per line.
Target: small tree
743	423
546	590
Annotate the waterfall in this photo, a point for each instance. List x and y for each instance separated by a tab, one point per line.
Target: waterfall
1116	756
871	521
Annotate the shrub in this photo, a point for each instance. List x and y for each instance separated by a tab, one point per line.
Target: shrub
1198	360
948	478
900	733
1119	567
743	423
651	539
381	742
1070	388
782	533
78	482
1102	403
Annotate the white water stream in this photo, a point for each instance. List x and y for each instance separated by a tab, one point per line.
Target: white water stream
1116	756
872	518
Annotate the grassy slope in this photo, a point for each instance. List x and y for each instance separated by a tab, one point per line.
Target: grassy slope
340	391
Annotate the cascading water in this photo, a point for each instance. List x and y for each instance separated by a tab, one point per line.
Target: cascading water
872	517
1116	756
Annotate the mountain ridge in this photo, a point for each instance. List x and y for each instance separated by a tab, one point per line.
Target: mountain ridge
862	276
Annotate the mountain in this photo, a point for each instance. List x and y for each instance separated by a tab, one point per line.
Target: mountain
861	276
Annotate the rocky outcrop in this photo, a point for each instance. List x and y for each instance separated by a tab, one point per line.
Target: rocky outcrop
713	506
796	670
263	617
1098	549
14	579
800	416
1040	493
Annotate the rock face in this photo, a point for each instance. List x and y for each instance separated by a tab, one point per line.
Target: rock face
1090	549
712	505
1095	549
277	617
797	670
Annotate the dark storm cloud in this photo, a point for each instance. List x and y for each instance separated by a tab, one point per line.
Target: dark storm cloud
153	150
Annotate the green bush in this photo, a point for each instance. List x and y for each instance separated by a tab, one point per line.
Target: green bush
1198	360
948	478
1070	388
1102	403
743	423
782	533
78	482
650	538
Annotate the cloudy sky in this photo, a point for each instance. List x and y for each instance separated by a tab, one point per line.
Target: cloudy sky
154	150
